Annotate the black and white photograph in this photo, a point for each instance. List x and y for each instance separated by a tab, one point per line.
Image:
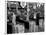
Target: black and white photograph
25	17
